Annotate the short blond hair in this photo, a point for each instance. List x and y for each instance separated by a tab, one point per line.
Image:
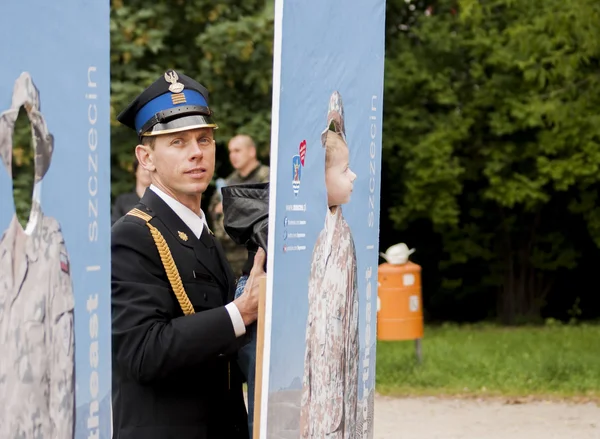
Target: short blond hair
333	143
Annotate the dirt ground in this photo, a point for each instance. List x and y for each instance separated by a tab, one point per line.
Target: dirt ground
447	418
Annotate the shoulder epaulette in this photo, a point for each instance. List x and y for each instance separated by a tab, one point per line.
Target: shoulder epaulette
137	212
168	263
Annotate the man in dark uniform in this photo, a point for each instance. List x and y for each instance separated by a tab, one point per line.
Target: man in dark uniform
176	326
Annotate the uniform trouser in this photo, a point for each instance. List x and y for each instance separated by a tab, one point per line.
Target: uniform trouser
247	359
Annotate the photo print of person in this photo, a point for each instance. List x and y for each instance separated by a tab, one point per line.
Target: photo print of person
37	366
329	402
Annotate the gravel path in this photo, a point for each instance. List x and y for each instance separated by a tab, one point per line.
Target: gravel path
447	418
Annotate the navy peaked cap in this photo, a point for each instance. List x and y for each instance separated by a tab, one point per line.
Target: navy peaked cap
174	102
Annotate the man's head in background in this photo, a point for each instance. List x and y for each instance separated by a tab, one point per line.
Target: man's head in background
242	154
142	176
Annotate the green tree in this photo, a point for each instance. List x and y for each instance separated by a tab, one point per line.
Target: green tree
493	106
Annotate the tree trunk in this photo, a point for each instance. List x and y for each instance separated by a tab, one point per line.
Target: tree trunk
522	293
524	288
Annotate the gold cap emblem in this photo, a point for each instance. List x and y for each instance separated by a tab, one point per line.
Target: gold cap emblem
172	78
182	236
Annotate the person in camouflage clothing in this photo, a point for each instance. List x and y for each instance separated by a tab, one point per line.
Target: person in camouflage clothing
329	402
247	169
37	366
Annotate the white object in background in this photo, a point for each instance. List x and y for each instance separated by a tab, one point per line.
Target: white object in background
397	254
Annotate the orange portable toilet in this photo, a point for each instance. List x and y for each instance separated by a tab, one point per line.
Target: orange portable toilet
400	310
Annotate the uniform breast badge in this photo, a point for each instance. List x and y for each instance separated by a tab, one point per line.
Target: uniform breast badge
182	236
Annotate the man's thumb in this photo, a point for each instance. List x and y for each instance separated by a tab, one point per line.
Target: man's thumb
259	258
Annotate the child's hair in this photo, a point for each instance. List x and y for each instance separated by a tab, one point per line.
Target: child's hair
333	143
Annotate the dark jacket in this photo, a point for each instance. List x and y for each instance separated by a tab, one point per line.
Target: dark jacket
123	204
246	217
174	376
236	254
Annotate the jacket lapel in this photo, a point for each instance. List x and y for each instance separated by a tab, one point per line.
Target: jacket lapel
169	218
183	234
206	251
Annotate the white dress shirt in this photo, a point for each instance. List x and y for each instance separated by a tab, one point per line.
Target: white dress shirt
196	224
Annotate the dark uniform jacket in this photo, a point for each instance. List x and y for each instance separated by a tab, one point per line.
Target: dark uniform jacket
174	376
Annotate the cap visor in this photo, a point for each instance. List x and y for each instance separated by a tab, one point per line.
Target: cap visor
181	124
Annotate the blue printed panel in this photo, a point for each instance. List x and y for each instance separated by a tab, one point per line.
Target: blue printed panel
323	48
64	48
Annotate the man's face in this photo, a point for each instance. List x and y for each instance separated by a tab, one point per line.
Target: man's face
339	179
183	162
240	153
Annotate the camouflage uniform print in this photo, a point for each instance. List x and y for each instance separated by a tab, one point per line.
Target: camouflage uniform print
36	333
330	383
237	255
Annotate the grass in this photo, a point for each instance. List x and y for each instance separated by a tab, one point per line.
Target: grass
484	360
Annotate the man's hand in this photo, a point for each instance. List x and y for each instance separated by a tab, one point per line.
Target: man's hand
247	303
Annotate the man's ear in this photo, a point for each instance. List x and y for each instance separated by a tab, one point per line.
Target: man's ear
145	157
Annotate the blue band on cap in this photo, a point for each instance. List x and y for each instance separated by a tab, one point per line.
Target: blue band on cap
165	102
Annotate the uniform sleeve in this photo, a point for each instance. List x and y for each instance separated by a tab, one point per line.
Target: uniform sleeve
148	343
62	345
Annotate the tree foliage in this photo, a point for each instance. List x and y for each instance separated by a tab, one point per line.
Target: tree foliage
22	167
491	130
494	115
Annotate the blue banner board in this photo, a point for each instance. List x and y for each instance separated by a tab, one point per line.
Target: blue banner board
55	369
320	325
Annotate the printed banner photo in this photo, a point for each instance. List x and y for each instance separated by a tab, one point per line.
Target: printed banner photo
55	236
318	370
